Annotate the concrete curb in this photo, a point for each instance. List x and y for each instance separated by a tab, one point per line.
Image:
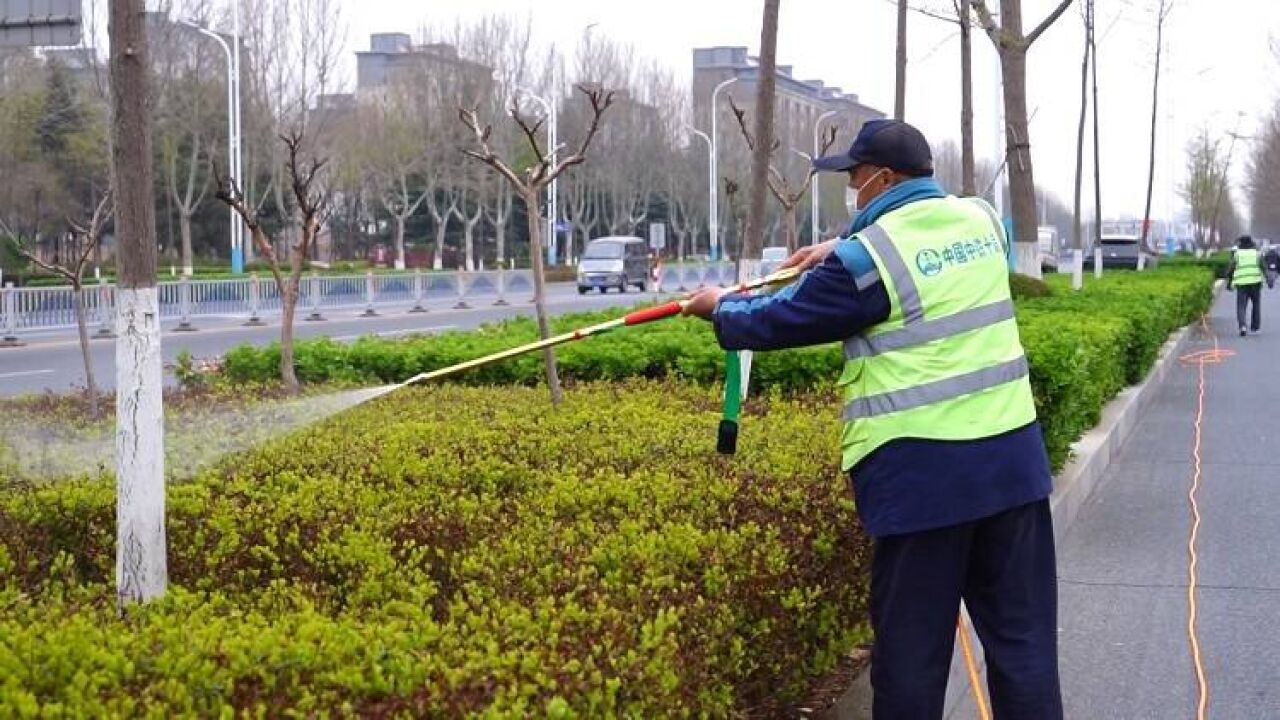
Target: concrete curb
1092	454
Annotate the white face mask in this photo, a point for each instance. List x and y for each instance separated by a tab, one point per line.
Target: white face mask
851	195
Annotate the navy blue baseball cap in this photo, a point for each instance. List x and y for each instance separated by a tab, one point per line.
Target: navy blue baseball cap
889	144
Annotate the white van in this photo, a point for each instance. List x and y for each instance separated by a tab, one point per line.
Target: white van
614	262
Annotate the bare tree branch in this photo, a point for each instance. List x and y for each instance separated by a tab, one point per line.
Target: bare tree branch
988	22
1044	25
927	13
228	191
600	100
485	154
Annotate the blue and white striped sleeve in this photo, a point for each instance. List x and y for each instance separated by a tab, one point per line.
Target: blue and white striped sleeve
835	300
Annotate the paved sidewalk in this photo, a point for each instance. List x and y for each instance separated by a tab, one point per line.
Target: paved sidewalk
1123	566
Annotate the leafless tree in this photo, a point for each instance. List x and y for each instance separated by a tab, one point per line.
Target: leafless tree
310	206
784	190
1202	188
498	213
1092	37
187	92
948	167
900	69
1012	45
583	201
1077	235
1264	178
442	203
1161	14
529	185
141	560
392	156
765	91
506	46
1225	216
968	183
297	48
473	192
687	191
85	238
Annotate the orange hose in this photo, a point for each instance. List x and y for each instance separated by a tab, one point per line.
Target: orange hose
1200	358
1203	358
972	666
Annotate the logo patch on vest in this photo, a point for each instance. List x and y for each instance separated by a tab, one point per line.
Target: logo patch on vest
929	262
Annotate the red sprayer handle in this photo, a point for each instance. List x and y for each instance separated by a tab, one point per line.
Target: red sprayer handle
654	313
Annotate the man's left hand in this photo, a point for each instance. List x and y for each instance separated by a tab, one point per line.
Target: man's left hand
703	302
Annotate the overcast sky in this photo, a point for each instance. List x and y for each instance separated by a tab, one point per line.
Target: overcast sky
1218	63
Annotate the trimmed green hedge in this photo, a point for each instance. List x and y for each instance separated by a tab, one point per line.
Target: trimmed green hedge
439	553
455	551
1076	342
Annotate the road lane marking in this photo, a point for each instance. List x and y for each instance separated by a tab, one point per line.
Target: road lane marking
24	373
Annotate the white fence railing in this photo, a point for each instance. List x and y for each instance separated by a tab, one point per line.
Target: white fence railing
39	308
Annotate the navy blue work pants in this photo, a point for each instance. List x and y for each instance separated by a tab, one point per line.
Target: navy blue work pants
1004	568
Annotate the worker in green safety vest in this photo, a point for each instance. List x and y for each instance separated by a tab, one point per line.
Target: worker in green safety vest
1244	275
940	439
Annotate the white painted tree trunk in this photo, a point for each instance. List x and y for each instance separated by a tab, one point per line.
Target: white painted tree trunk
400	223
1026	258
141	566
442	227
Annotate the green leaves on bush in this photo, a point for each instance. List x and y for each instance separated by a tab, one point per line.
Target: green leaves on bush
452	551
1025	286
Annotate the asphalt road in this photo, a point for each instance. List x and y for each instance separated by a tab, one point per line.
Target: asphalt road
51	360
1123	566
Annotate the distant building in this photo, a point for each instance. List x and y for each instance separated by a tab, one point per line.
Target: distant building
799	103
392	58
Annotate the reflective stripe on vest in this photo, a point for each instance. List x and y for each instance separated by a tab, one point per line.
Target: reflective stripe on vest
1247	271
929	330
937	391
908	295
946	364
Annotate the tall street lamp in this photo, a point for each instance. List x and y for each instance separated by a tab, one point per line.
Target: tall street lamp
711	183
233	130
815	186
715	172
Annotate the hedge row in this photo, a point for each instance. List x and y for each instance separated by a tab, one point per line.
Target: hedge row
1083	348
450	551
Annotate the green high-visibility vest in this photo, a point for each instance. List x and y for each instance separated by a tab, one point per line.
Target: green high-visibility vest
947	364
1247	271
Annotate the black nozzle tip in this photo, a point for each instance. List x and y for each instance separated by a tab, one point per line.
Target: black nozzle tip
727	438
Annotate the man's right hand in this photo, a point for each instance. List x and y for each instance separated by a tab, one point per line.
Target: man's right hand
809	256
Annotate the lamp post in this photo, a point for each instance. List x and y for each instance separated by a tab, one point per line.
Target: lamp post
815	186
711	184
233	131
715	172
237	250
550	109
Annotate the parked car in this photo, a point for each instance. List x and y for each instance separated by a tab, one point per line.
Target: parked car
614	262
1118	251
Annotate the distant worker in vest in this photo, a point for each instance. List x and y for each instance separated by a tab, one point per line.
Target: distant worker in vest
940	440
1245	275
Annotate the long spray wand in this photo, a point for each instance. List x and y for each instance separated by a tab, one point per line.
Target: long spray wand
639	317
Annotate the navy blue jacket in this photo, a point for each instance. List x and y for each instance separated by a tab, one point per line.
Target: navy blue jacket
910	484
